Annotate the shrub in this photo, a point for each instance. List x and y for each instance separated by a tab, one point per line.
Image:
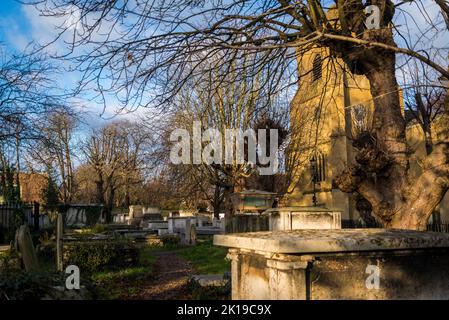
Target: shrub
3	234
46	251
100	255
116	284
21	285
93	214
42	235
170	241
9	261
99	228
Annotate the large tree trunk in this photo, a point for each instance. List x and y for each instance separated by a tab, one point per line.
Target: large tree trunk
381	173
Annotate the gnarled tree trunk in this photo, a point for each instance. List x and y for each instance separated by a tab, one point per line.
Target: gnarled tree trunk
381	173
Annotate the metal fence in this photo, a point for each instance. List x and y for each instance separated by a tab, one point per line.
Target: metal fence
8	210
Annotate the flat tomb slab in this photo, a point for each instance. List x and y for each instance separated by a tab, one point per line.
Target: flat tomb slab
300	209
338	264
339	240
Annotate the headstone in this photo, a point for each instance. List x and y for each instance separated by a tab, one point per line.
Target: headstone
76	217
26	248
155	225
185	233
135	212
59	242
36	215
151	211
193	235
171	225
135	215
161	232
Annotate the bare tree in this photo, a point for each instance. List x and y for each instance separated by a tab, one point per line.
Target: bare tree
25	94
153	44
25	98
233	105
114	152
424	101
56	148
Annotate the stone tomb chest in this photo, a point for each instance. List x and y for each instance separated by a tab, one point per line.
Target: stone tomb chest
291	218
338	264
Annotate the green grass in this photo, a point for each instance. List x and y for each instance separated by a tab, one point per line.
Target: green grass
122	283
207	258
114	284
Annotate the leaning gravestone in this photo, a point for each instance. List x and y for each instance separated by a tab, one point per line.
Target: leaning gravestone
193	235
59	244
26	248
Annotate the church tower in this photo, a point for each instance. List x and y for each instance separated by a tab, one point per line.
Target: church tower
330	107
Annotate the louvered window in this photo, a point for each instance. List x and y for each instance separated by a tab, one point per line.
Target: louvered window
319	167
317	68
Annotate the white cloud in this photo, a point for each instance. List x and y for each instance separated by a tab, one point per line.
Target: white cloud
13	33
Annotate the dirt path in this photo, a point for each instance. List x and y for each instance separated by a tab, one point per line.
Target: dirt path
170	279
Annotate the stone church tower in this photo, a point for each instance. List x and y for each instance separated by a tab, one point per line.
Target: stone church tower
333	105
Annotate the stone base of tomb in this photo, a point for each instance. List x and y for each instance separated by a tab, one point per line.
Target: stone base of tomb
291	218
338	264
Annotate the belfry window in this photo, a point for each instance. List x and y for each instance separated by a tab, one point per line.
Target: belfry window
317	68
319	167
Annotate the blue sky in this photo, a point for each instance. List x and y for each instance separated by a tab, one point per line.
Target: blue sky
13	24
21	24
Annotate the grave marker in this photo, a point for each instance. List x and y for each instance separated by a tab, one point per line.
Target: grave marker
26	248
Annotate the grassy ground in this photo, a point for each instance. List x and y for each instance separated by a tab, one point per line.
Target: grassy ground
116	284
123	283
207	258
120	284
204	256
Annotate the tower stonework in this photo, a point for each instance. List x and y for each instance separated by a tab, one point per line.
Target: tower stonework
332	105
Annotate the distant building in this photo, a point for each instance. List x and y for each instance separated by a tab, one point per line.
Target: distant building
31	187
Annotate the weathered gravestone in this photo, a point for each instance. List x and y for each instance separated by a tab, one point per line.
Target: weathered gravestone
59	242
26	249
188	233
185	227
